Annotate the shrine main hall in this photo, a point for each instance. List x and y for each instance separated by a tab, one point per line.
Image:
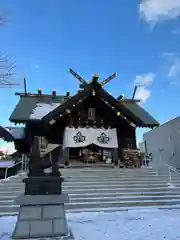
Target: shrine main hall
90	127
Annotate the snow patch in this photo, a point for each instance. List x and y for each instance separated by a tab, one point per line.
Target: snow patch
170	185
17	133
163	224
43	109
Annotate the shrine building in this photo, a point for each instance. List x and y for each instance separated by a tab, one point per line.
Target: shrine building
90	127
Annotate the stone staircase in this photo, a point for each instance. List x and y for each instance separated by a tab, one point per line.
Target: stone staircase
103	189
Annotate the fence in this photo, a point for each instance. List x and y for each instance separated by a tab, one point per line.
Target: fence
23	163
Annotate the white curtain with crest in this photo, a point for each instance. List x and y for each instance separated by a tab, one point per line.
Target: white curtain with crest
82	137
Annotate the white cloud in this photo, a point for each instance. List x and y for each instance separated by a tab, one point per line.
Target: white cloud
7	148
37	66
154	11
174	69
143	93
145	80
169	55
176	31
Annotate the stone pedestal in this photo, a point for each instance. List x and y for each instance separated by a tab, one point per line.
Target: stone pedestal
43	185
41	216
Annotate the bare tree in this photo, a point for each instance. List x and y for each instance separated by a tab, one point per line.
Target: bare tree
6	65
2	20
6	72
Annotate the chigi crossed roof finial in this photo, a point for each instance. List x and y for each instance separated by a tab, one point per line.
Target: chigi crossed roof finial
94	78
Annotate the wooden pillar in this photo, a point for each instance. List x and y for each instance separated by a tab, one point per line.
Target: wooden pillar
115	156
66	156
134	138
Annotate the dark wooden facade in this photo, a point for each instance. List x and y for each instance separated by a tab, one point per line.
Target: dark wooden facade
92	106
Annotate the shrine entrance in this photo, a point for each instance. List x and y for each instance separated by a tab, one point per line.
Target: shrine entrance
93	146
91	154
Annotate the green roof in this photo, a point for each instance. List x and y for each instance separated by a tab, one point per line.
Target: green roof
139	112
35	107
26	108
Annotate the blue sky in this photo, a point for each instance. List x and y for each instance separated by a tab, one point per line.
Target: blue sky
138	40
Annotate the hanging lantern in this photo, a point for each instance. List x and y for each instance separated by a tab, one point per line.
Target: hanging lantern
118	114
93	93
52	121
133	125
68	111
74	105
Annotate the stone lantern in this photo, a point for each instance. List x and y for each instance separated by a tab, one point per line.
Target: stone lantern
41	211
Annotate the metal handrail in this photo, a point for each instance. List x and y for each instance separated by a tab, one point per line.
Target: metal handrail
173	168
170	169
23	166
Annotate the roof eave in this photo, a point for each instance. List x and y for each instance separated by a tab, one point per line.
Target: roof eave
67	104
148	125
24	121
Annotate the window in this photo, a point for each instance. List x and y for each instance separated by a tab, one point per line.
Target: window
91	113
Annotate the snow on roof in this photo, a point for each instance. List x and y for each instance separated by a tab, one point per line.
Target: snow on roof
4	164
16	132
43	109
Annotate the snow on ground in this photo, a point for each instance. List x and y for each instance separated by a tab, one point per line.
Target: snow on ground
136	225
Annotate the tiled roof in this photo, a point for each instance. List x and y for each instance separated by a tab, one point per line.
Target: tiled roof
140	112
27	105
48	105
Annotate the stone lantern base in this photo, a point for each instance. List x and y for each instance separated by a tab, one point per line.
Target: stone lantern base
41	216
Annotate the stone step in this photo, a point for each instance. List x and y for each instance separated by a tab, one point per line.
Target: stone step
121	204
96	205
98	184
108	190
110	182
91	180
90	176
101	193
19	191
120	186
101	176
109	209
130	208
122	198
9	209
11	193
128	194
96	187
115	175
107	199
104	195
